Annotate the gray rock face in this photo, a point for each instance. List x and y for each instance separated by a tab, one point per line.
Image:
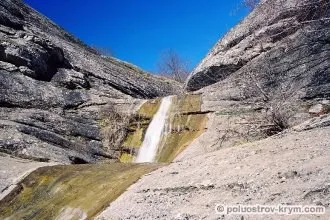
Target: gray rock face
281	45
52	87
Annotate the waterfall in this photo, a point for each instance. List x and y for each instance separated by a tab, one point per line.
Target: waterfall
154	133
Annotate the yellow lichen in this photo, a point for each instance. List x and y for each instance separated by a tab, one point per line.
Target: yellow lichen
187	128
134	139
149	108
88	187
126	158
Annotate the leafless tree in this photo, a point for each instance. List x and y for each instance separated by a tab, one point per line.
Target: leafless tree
309	19
114	126
173	66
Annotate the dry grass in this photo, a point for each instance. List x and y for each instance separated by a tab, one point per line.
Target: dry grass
114	127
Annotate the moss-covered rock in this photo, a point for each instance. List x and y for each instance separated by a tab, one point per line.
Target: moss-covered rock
185	129
70	191
187	103
137	129
187	122
149	108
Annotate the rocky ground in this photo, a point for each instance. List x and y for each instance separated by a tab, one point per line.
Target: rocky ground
289	168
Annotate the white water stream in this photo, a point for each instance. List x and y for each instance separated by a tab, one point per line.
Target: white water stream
154	133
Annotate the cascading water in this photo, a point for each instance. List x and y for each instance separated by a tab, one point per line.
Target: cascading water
154	133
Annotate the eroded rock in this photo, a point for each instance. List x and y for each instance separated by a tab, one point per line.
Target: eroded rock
53	86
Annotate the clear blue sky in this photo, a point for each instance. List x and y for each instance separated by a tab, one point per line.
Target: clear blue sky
139	31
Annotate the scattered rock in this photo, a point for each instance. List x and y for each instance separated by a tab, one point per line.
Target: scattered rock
317	122
317	110
7	66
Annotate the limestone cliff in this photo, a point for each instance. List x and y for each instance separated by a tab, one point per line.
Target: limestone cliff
266	75
53	86
269	69
280	44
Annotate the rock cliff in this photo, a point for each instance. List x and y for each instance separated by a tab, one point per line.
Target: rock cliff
53	86
274	65
257	124
281	45
268	74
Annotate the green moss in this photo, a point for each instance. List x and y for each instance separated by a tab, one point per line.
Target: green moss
185	128
149	108
48	190
134	139
186	125
187	103
126	158
175	144
145	113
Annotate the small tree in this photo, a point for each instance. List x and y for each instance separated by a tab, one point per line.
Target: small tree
172	65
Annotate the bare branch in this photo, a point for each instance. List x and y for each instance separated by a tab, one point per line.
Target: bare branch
173	66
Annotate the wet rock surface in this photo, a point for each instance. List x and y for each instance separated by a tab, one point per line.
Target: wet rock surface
291	168
19	168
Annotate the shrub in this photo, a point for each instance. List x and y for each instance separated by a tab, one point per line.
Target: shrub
114	127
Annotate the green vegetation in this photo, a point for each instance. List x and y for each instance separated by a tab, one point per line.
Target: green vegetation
135	138
48	191
186	126
149	108
126	158
186	120
74	191
138	127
